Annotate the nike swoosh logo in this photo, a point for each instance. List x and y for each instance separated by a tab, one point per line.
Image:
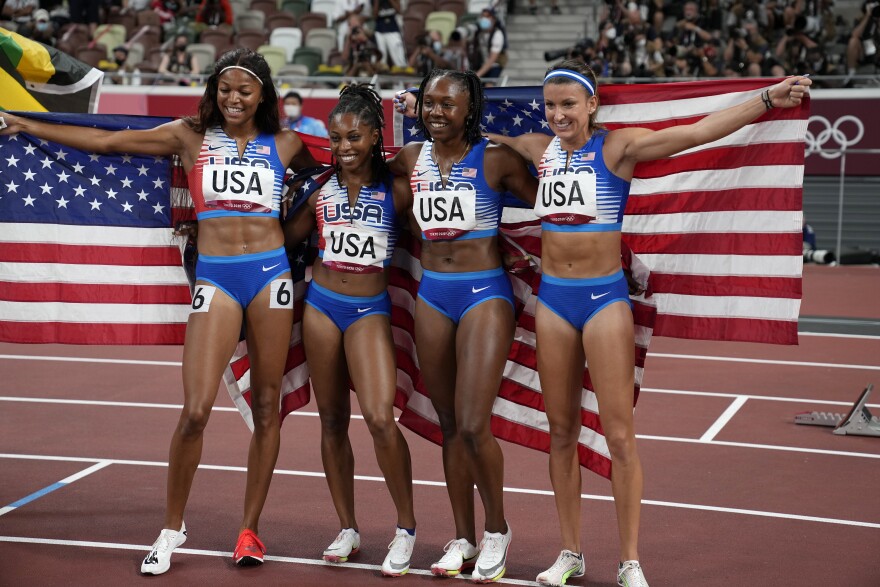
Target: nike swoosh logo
421	173
214	148
362	310
596	297
271	268
475	290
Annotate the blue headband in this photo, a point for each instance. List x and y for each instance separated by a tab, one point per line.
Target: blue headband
572	75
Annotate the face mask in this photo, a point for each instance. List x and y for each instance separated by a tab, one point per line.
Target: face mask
437	46
42	26
484	23
292	111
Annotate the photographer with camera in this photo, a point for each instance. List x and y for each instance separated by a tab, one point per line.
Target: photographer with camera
362	54
429	54
862	46
492	42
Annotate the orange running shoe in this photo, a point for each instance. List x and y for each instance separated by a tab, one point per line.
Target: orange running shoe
249	550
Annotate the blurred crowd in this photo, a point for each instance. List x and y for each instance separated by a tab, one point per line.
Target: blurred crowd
637	38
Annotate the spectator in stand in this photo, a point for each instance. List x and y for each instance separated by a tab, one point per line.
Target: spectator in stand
690	31
429	54
135	5
43	29
641	42
349	14
21	12
177	60
118	64
169	11
295	119
214	13
492	42
533	7
862	46
387	35
361	53
457	51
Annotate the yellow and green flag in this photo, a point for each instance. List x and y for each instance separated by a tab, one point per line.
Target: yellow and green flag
37	78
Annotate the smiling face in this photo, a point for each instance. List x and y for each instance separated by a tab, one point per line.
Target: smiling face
238	96
568	107
352	141
445	107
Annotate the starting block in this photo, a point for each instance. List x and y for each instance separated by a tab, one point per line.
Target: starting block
858	421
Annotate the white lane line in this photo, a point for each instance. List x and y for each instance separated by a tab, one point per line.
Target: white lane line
650	354
517	490
220	554
763	361
53	487
836	335
723	419
797	400
811	451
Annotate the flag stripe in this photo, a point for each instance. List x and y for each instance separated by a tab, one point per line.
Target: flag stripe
715	243
756	199
88	254
744	222
80	293
90	333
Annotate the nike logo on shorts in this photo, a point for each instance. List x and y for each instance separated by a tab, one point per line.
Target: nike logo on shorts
475	290
362	310
271	268
596	297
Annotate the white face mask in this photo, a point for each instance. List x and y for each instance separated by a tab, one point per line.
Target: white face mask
292	110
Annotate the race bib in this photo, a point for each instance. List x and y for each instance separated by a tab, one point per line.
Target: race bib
238	187
354	250
281	294
568	198
202	297
446	214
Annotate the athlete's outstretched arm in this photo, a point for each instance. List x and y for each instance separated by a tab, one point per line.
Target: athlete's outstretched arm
513	175
166	139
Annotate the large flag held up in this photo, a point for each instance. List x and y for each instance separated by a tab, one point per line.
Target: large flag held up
38	78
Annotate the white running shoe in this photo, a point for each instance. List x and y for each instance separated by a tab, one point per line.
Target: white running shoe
492	561
460	555
158	560
629	574
566	566
347	543
399	552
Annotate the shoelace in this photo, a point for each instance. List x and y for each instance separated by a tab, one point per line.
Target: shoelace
163	542
635	573
398	542
453	546
562	563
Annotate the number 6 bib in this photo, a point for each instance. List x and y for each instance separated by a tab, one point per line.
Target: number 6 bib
446	214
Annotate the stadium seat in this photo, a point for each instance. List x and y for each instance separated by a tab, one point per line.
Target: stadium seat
250	39
110	35
250	20
135	54
91	55
323	39
239	7
442	21
413	27
308	56
327	7
421	8
311	20
148	17
459	7
205	54
295	7
127	19
149	37
293	69
267	7
289	38
280	20
276	57
477	6
221	40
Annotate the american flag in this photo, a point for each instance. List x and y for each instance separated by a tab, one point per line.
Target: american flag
87	255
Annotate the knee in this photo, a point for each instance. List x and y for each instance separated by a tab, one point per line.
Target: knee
335	423
193	422
265	411
621	444
381	425
564	435
473	435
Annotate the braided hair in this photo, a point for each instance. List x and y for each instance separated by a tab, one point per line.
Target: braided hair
578	66
362	100
471	82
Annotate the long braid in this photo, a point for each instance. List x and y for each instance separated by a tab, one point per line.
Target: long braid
471	82
362	100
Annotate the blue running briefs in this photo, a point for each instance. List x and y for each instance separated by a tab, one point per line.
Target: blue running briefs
242	277
577	300
345	310
455	294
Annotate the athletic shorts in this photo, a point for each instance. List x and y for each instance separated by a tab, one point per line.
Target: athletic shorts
456	294
242	277
577	300
346	310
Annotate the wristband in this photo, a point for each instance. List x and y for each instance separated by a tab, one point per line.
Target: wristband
765	97
2	123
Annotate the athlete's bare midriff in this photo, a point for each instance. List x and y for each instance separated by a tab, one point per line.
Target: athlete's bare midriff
578	255
460	256
239	235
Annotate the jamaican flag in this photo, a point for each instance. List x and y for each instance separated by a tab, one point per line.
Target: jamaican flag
37	78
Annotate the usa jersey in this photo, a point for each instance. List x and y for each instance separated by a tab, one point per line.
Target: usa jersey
466	208
222	184
359	238
583	197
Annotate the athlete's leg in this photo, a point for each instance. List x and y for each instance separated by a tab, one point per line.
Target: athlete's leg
610	349
435	347
369	351
268	340
329	374
210	341
561	369
482	344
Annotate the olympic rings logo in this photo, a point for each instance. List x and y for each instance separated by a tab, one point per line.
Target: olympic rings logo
832	133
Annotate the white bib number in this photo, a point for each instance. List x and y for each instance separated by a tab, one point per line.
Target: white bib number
225	184
446	214
202	297
281	291
567	198
348	248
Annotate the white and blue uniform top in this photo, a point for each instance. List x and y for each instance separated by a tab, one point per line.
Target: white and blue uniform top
466	208
582	196
222	184
359	238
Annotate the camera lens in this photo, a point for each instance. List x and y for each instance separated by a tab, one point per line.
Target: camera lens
875	12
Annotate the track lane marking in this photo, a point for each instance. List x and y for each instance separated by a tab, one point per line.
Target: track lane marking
517	490
723	419
53	487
